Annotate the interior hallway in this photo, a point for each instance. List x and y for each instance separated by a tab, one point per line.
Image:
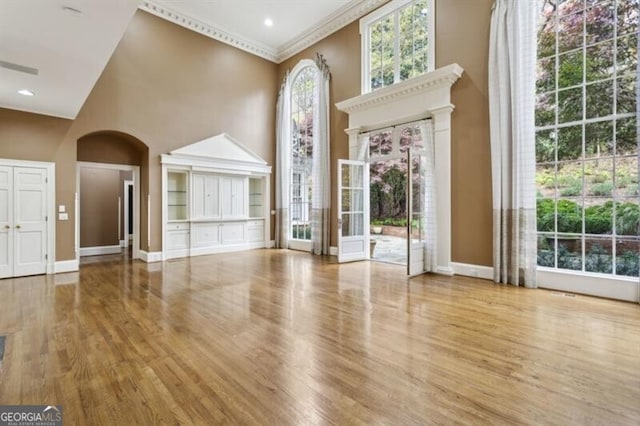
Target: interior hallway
282	337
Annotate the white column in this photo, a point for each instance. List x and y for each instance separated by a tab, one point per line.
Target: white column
354	148
442	142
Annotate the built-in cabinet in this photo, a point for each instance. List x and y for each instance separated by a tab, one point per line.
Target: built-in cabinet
214	199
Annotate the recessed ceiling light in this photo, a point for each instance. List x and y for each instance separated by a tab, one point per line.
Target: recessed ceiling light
26	92
268	22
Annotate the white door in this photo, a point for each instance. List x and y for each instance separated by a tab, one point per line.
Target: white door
6	222
415	212
23	221
353	210
30	221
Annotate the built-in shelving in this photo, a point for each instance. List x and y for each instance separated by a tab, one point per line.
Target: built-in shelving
214	199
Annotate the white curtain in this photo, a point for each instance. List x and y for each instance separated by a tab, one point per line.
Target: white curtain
283	164
512	56
321	178
429	208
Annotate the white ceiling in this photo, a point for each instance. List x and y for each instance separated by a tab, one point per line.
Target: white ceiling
70	50
245	18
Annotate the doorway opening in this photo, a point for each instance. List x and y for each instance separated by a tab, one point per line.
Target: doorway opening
108	218
388	210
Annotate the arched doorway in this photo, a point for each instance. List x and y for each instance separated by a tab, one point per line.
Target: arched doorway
112	170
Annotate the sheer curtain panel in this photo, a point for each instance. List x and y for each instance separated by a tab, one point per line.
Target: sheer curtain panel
283	164
321	178
512	56
430	207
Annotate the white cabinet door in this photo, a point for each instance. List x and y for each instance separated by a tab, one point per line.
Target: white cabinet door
206	196
234	197
6	222
30	219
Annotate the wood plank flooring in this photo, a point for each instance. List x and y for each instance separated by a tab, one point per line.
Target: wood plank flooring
276	337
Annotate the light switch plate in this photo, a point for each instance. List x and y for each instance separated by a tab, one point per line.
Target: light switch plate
63	216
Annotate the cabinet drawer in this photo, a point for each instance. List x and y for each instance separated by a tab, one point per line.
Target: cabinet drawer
255	234
232	233
177	226
255	223
177	240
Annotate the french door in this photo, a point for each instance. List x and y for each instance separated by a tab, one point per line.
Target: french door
353	210
416	211
23	221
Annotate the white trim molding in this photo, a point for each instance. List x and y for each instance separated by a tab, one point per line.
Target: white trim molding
66	266
100	250
476	271
350	12
150	257
210	31
601	285
332	23
425	96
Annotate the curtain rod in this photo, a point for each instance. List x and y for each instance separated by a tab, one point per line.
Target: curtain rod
393	126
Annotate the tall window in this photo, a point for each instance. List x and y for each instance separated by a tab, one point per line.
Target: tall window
588	211
303	103
397	43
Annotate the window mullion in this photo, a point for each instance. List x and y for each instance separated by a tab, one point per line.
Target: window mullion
396	47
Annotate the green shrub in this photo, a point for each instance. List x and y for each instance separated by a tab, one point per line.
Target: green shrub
545	215
598	219
571	191
628	219
628	264
569	217
604	189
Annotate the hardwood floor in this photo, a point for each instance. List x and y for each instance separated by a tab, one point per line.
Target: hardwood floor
283	338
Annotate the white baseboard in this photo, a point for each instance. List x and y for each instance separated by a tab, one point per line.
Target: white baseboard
621	288
66	266
270	244
122	243
333	251
149	257
445	270
96	251
477	271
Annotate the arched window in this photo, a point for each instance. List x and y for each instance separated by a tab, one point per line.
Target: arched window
304	101
302	168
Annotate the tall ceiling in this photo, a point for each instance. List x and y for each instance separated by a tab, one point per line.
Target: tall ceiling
57	49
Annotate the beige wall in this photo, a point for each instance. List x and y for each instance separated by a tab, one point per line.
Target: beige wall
462	36
165	86
34	137
99	208
471	167
168	87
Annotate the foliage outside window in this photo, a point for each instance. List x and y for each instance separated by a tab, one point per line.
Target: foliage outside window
588	211
388	172
397	43
303	102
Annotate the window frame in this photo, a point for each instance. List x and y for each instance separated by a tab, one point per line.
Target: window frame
393	8
304	205
583	280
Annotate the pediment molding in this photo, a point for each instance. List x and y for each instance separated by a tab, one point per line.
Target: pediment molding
220	152
441	78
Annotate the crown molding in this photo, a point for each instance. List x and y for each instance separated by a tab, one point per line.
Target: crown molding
441	78
332	23
210	31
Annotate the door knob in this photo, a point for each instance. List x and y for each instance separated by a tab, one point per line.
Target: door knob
18	226
7	227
